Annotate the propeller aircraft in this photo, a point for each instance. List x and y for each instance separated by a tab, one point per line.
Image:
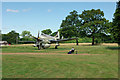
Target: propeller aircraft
44	41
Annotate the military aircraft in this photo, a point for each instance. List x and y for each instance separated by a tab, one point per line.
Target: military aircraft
44	41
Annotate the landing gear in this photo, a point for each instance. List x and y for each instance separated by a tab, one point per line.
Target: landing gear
39	47
57	44
56	47
43	47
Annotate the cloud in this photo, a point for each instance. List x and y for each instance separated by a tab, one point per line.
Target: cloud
49	10
11	10
26	10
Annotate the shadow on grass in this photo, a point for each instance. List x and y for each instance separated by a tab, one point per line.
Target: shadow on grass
113	48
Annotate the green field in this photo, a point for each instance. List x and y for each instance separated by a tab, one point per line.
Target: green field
60	64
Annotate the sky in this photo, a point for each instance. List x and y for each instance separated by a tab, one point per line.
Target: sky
34	16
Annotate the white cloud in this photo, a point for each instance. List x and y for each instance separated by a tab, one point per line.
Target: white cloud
26	10
49	10
11	10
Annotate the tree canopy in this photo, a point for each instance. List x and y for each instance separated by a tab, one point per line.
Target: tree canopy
12	37
94	23
115	30
70	27
54	33
26	36
47	31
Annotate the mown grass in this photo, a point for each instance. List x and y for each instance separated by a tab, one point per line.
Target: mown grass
63	49
104	65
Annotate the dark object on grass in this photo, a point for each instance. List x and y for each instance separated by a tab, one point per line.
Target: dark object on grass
71	51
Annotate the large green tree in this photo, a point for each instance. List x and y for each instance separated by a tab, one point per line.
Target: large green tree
70	27
115	30
47	31
54	33
26	36
12	37
94	23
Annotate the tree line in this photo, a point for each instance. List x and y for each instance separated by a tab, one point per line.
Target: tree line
13	37
90	23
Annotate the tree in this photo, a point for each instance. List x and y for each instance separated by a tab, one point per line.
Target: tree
94	23
26	36
47	31
70	27
115	30
54	33
4	37
11	37
110	37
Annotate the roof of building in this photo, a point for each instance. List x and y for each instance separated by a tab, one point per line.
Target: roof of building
3	42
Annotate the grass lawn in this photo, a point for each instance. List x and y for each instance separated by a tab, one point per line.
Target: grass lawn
103	65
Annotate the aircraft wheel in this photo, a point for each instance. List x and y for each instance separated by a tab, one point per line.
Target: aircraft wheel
43	47
39	47
55	47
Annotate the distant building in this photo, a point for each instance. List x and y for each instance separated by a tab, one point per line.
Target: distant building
3	43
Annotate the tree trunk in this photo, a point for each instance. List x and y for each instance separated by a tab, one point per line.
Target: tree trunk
77	41
118	44
93	39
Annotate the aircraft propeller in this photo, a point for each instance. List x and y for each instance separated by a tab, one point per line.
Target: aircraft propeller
38	38
38	34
